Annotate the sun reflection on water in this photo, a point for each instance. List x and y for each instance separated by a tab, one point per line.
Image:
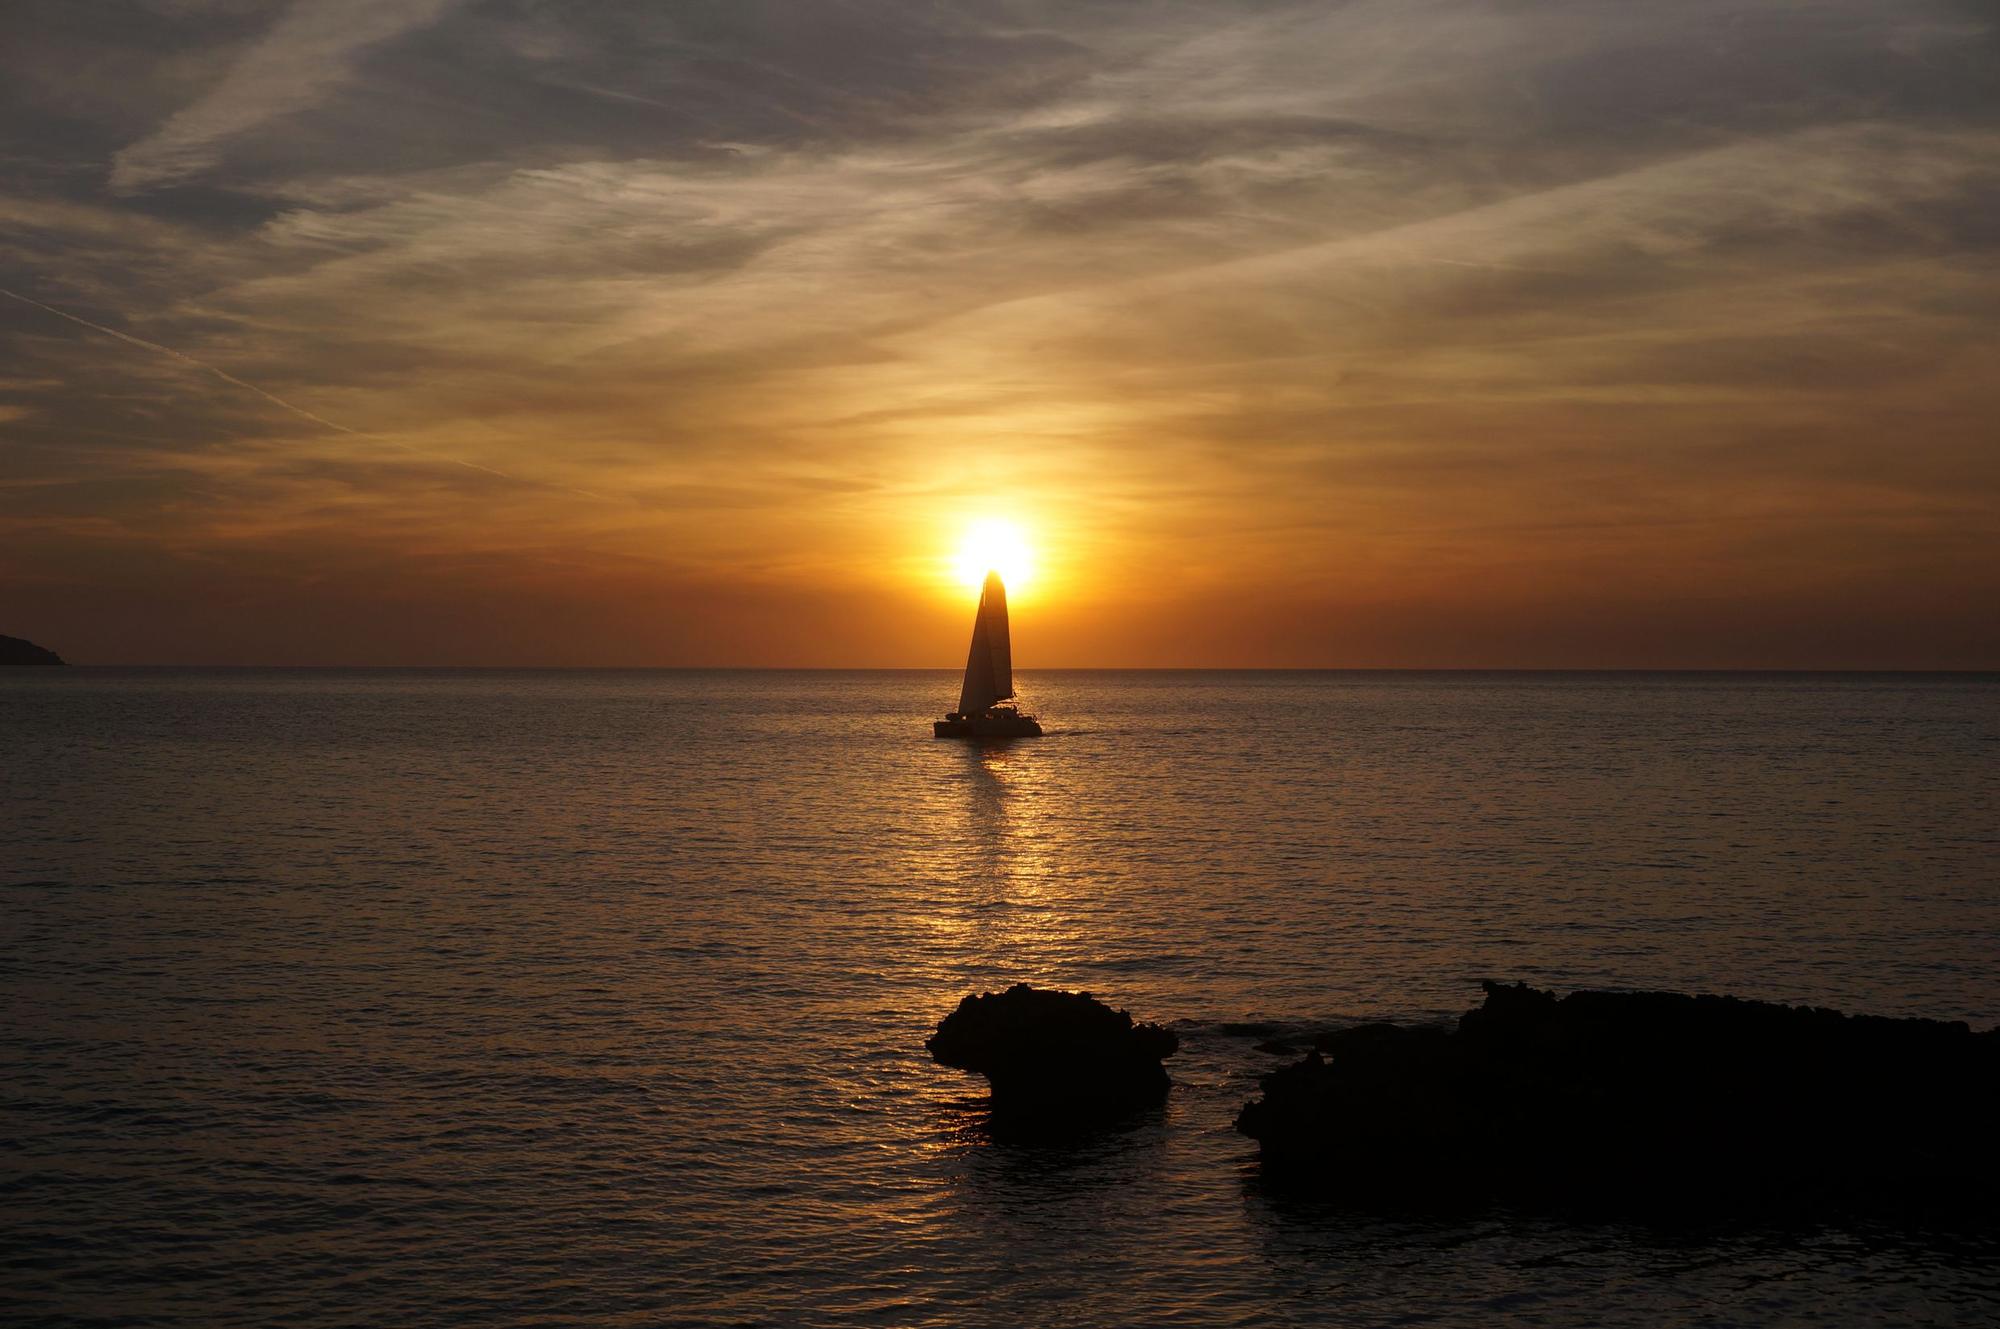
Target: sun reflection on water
1000	864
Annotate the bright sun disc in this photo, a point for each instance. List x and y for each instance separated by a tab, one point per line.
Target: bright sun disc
996	546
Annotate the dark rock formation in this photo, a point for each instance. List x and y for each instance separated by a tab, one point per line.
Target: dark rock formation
1645	1100
15	651
1251	1028
1055	1058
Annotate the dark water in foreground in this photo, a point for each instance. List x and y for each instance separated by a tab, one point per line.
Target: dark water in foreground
598	999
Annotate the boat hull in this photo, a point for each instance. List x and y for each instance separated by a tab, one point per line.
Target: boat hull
990	725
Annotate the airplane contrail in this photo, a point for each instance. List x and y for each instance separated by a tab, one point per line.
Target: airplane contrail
282	404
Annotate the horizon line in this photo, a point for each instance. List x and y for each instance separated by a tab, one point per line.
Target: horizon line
1050	669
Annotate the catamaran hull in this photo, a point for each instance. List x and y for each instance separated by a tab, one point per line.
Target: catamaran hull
986	726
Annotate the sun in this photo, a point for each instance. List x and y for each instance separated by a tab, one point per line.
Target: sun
994	546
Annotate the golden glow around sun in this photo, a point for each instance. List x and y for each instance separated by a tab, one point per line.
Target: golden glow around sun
993	545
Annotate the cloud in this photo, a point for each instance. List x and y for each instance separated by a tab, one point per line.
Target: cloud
1280	304
308	52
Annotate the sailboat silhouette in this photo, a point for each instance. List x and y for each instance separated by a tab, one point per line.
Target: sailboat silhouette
986	707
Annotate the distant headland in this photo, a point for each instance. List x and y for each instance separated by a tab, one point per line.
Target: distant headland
16	651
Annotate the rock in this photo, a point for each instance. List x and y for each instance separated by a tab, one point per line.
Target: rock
15	651
1643	1100
1056	1058
1250	1028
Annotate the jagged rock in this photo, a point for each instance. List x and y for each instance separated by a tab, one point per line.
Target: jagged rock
1056	1058
16	651
1646	1099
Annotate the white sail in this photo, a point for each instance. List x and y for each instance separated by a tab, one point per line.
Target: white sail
989	666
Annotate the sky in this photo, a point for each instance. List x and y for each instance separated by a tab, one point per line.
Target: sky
1424	333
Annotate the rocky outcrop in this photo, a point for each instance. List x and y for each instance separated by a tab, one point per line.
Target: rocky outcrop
15	651
1056	1058
1641	1100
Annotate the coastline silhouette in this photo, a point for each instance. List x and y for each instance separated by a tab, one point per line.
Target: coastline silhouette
20	651
1642	1101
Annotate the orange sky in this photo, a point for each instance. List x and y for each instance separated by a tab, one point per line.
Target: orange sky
1555	335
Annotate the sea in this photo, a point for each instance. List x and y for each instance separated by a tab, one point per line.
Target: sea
408	998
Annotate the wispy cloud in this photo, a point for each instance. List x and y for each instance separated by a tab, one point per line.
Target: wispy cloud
308	52
291	408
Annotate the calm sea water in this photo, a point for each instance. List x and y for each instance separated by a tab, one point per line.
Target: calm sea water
339	998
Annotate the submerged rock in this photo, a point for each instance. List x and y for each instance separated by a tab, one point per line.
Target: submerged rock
1056	1058
19	651
1642	1099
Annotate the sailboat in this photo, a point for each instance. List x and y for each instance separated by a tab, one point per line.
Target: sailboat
986	706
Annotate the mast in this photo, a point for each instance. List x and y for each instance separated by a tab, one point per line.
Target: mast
989	665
